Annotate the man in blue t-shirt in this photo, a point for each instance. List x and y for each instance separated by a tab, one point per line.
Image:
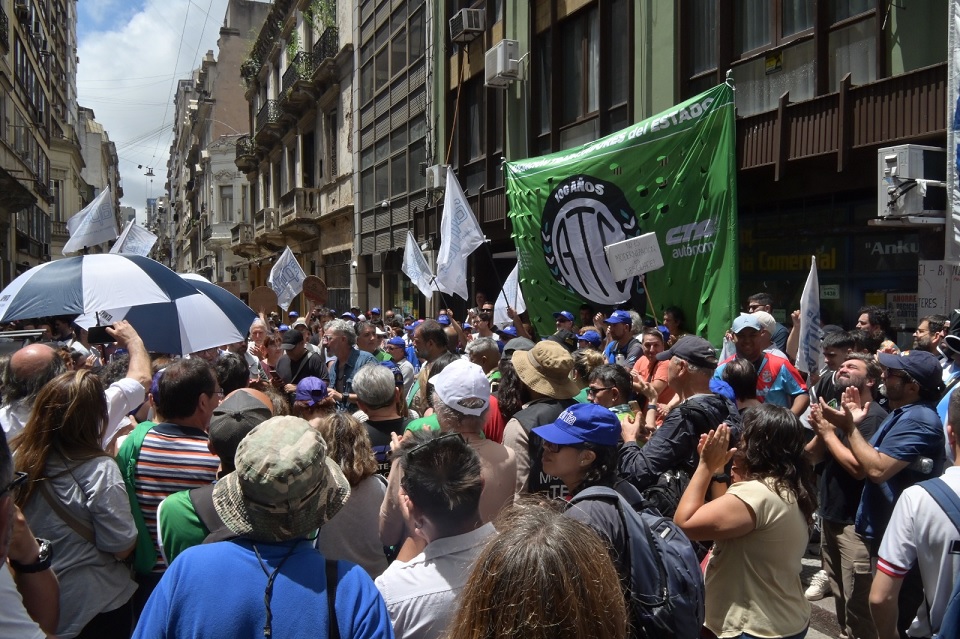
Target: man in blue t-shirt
905	449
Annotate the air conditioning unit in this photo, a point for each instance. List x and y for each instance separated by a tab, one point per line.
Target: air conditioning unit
501	64
436	177
377	265
198	168
204	154
911	181
466	25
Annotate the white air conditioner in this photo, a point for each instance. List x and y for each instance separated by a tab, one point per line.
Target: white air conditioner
501	64
436	177
911	180
198	168
466	25
204	154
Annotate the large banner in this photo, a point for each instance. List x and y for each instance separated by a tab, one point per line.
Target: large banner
673	174
952	236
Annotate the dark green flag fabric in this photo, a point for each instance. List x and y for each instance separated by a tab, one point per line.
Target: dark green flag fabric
673	174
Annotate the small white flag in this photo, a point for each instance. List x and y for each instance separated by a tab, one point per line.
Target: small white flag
134	240
94	225
286	278
510	295
810	354
415	267
460	235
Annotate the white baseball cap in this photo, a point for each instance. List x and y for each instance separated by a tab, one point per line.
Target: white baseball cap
460	385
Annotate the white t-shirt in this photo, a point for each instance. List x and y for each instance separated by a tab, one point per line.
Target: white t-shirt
919	522
14	620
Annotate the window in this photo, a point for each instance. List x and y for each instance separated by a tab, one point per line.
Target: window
761	23
226	203
580	57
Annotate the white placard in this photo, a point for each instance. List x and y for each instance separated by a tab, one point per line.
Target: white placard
635	256
829	292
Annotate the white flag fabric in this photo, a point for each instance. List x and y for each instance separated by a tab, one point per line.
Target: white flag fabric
810	355
95	224
460	235
286	278
510	295
415	267
134	240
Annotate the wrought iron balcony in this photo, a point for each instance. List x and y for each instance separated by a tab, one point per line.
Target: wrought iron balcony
246	155
328	44
268	115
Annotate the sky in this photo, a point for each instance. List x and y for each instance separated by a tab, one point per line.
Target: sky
132	53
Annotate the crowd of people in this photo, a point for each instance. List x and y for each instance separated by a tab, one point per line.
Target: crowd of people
369	474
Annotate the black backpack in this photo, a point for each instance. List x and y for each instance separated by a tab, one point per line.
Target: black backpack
666	586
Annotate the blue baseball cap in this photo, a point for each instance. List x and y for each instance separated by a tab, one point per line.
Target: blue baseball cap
591	337
443	320
467	326
746	320
283	328
619	317
350	316
396	341
293	314
922	366
583	424
397	375
413	327
566	315
508	331
375	310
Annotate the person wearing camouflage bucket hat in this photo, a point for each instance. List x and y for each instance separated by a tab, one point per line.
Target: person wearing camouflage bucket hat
284	488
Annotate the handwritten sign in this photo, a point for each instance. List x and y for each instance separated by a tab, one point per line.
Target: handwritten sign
263	299
635	256
315	289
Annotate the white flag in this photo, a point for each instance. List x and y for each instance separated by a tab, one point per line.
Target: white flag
810	354
95	224
286	278
415	267
134	240
510	295
460	235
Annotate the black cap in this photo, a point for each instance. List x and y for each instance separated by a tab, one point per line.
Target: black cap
693	349
567	339
291	339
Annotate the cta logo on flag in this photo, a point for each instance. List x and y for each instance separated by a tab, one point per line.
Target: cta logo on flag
460	235
134	240
415	267
93	225
286	278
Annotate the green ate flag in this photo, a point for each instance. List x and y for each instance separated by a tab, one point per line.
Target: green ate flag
674	175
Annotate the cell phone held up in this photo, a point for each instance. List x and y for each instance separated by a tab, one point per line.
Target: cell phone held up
99	335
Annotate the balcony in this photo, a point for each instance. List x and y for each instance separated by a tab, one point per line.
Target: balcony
205	265
4	29
246	157
325	49
58	230
299	212
849	124
218	234
242	240
266	226
298	89
268	120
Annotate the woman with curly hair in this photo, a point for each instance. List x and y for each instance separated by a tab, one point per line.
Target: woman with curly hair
759	526
76	498
353	533
544	576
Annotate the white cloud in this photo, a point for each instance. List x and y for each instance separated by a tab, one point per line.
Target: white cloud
128	74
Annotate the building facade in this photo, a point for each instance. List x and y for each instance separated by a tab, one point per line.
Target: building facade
299	80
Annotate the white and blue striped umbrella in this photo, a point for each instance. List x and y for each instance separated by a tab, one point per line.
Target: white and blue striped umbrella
185	325
90	283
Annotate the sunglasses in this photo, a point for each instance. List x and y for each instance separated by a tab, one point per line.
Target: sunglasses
593	390
19	479
550	447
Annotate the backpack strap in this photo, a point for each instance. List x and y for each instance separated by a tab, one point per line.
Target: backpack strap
331	569
202	501
948	500
77	526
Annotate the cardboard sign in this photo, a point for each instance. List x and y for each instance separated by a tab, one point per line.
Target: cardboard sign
635	256
263	299
315	290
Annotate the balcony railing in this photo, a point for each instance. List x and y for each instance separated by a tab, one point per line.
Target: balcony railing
269	113
299	203
58	229
242	234
327	44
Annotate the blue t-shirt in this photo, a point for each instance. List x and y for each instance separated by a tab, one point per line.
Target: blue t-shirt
216	591
942	409
907	434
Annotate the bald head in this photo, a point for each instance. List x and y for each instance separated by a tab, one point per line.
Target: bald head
259	395
29	370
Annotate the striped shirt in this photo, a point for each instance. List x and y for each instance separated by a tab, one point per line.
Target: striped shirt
172	458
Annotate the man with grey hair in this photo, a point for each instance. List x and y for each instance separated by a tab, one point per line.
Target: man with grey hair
462	399
339	338
378	397
484	352
33	366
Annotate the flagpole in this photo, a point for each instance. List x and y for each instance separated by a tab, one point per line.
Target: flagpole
646	291
496	273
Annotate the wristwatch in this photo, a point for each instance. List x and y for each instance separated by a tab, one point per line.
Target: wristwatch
43	559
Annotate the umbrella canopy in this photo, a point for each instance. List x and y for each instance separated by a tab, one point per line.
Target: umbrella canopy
185	325
90	283
232	306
